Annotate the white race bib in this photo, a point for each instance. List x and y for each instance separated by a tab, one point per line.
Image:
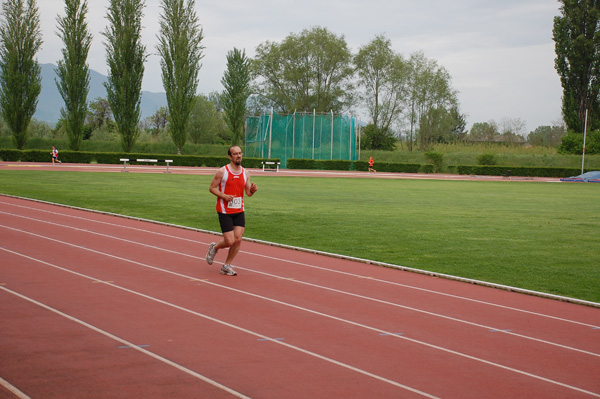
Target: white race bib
235	203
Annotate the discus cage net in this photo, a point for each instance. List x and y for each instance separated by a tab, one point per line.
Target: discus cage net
301	136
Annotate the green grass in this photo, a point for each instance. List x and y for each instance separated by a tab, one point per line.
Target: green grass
538	236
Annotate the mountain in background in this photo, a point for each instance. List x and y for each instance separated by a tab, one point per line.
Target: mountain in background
50	102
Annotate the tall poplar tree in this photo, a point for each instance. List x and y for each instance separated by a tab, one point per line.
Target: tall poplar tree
236	81
125	56
20	73
73	73
180	48
576	34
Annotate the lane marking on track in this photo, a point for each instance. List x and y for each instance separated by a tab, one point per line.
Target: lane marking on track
433	346
127	344
270	257
210	318
482	326
13	389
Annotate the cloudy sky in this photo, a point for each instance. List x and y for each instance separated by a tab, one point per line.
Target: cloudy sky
500	54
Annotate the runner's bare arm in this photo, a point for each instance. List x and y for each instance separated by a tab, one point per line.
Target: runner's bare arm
250	188
214	186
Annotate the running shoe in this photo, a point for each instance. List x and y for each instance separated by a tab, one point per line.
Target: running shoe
210	256
228	270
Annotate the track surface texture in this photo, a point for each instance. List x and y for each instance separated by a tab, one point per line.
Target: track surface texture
100	306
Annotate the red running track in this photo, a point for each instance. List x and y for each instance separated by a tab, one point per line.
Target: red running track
99	306
259	172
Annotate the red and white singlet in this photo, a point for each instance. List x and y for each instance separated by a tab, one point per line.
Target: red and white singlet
232	184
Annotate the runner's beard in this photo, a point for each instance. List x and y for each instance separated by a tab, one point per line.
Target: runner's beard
238	162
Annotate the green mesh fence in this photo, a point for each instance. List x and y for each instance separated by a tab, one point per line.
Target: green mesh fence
301	136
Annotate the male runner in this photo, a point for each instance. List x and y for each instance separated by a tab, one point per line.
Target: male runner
54	155
229	185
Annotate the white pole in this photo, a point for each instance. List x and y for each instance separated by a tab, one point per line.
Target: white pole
331	156
350	138
313	149
584	134
359	139
270	132
294	137
303	132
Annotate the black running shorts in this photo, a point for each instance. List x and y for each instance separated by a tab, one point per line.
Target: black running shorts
227	221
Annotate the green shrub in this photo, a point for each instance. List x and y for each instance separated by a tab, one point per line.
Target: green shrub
392	167
486	159
485	170
9	155
572	143
436	159
309	164
114	158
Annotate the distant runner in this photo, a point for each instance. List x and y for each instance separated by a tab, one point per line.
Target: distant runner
371	162
54	155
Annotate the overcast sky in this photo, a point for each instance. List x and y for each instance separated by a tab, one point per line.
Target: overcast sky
500	54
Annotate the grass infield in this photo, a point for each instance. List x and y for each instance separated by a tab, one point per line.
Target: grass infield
538	236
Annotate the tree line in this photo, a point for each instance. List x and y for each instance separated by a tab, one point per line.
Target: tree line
406	98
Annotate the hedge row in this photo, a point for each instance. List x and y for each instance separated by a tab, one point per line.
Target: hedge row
113	158
313	164
207	161
525	171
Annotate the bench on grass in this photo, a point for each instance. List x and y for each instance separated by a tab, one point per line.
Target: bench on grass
270	164
125	160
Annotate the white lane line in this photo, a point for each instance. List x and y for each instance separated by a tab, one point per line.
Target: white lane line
505	331
289	260
13	389
303	309
215	320
128	344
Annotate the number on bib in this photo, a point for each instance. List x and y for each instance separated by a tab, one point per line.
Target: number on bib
235	203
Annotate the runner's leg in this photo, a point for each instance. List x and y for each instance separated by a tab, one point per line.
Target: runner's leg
237	233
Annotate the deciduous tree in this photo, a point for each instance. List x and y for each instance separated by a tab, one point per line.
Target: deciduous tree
206	125
382	78
20	73
576	34
310	71
73	74
430	97
125	55
547	136
180	49
158	121
236	81
99	113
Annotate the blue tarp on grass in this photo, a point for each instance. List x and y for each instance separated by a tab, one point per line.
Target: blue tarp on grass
588	177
